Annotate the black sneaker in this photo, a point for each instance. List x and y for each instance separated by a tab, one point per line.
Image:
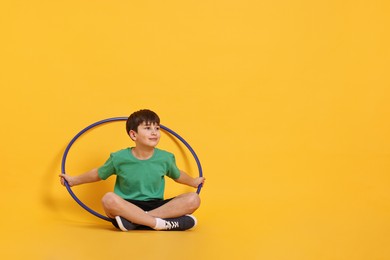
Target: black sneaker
180	224
123	224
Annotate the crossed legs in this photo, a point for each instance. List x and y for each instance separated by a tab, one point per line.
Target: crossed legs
181	205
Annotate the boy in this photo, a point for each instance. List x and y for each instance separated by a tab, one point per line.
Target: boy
137	200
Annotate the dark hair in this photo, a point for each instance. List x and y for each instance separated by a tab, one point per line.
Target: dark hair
138	117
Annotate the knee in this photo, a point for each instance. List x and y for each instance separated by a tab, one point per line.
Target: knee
193	201
110	200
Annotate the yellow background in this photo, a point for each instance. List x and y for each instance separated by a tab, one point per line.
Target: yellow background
285	102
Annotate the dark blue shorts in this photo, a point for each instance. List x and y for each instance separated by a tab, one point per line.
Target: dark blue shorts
149	204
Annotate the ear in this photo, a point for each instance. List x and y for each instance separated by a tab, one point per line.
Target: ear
132	135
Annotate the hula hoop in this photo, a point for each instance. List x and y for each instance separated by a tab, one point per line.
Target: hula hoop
113	119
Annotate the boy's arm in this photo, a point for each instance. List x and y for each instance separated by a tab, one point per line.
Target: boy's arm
188	180
89	176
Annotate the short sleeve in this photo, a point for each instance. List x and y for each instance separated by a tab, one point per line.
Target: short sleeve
173	172
107	169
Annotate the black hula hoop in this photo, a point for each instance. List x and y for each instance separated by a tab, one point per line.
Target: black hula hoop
113	119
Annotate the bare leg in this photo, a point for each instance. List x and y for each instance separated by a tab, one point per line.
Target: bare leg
116	206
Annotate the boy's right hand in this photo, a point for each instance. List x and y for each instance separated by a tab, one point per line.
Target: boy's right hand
67	178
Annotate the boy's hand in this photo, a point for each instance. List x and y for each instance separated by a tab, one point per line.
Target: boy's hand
198	181
69	179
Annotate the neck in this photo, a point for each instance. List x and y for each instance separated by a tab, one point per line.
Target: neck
142	153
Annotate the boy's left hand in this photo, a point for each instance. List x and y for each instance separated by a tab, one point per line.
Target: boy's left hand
198	181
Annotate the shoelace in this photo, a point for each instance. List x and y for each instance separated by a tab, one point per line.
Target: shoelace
171	224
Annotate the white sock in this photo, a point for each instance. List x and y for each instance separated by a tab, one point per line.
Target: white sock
160	224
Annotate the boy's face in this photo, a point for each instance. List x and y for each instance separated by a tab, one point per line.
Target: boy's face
148	134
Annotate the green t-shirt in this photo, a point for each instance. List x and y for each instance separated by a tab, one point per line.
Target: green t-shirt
140	179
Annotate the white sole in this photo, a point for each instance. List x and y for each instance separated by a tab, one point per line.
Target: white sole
195	220
120	224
